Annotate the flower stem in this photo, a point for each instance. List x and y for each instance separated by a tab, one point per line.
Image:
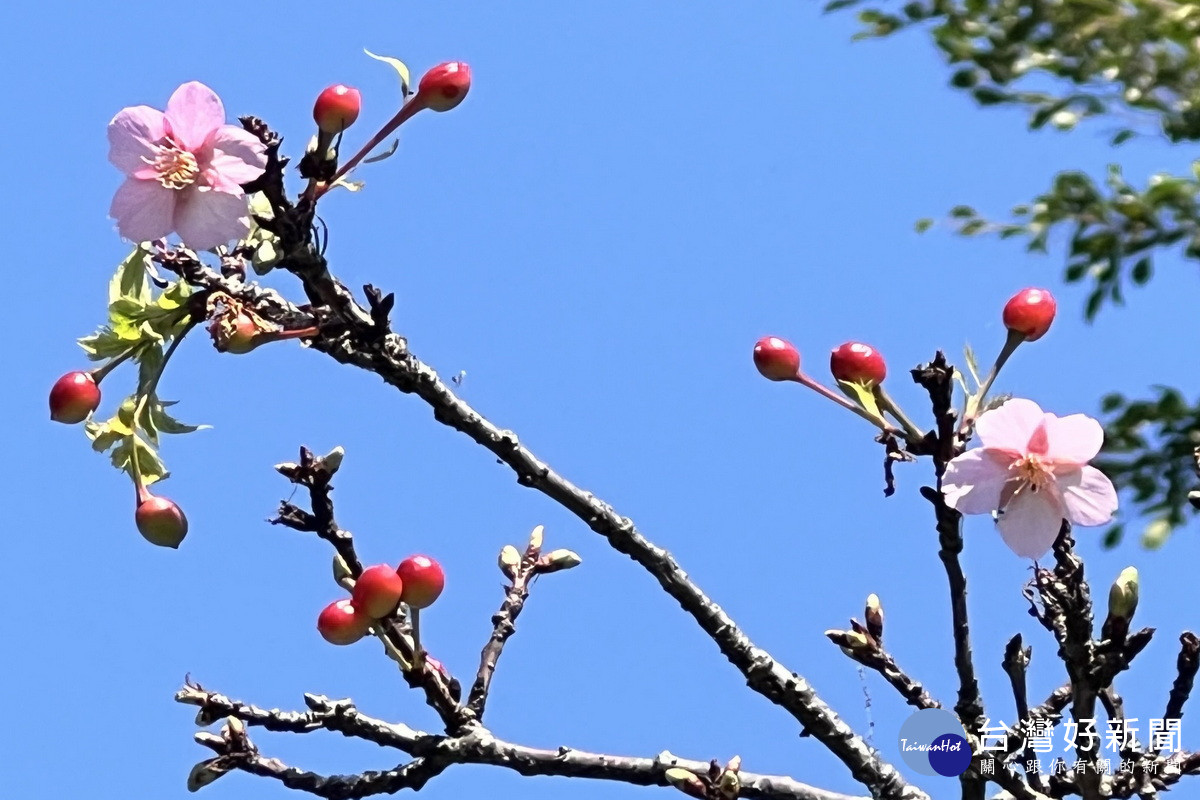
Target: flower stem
911	431
411	107
139	486
878	422
152	385
100	373
976	401
418	651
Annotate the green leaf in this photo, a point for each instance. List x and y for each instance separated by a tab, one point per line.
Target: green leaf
130	281
174	296
150	361
145	418
386	154
1142	271
396	64
1113	536
923	225
149	465
972	364
862	395
103	344
106	434
168	424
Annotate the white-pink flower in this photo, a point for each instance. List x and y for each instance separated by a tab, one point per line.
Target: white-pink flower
184	168
1032	472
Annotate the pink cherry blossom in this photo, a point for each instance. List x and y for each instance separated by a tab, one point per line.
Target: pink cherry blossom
184	168
1032	473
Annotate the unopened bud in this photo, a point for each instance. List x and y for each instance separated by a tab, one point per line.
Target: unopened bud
234	729
444	86
161	521
686	782
851	642
333	459
1029	313
342	574
205	773
337	108
729	785
1123	596
73	397
535	538
874	615
509	559
558	560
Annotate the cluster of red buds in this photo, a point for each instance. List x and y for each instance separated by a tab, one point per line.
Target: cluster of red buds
377	593
440	89
860	369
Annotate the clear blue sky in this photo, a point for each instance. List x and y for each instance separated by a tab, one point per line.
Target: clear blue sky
632	194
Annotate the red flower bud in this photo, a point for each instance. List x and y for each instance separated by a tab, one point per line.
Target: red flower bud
423	580
377	591
1029	313
73	397
856	362
237	334
445	86
340	623
777	359
336	108
161	521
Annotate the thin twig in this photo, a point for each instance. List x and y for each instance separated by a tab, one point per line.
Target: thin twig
503	626
1186	666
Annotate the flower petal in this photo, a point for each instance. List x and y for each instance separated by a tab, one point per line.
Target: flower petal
131	136
193	113
1010	426
144	210
1030	523
1090	497
242	145
207	218
974	480
228	173
1073	440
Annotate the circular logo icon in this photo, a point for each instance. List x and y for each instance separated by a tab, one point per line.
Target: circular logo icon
933	742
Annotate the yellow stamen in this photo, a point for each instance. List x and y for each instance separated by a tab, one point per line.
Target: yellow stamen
176	168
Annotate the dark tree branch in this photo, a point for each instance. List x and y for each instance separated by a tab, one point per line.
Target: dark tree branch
1015	664
388	357
1186	667
433	754
937	378
314	474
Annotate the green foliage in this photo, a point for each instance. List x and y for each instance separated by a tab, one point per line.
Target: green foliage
1064	60
1148	450
143	328
1135	62
1113	229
